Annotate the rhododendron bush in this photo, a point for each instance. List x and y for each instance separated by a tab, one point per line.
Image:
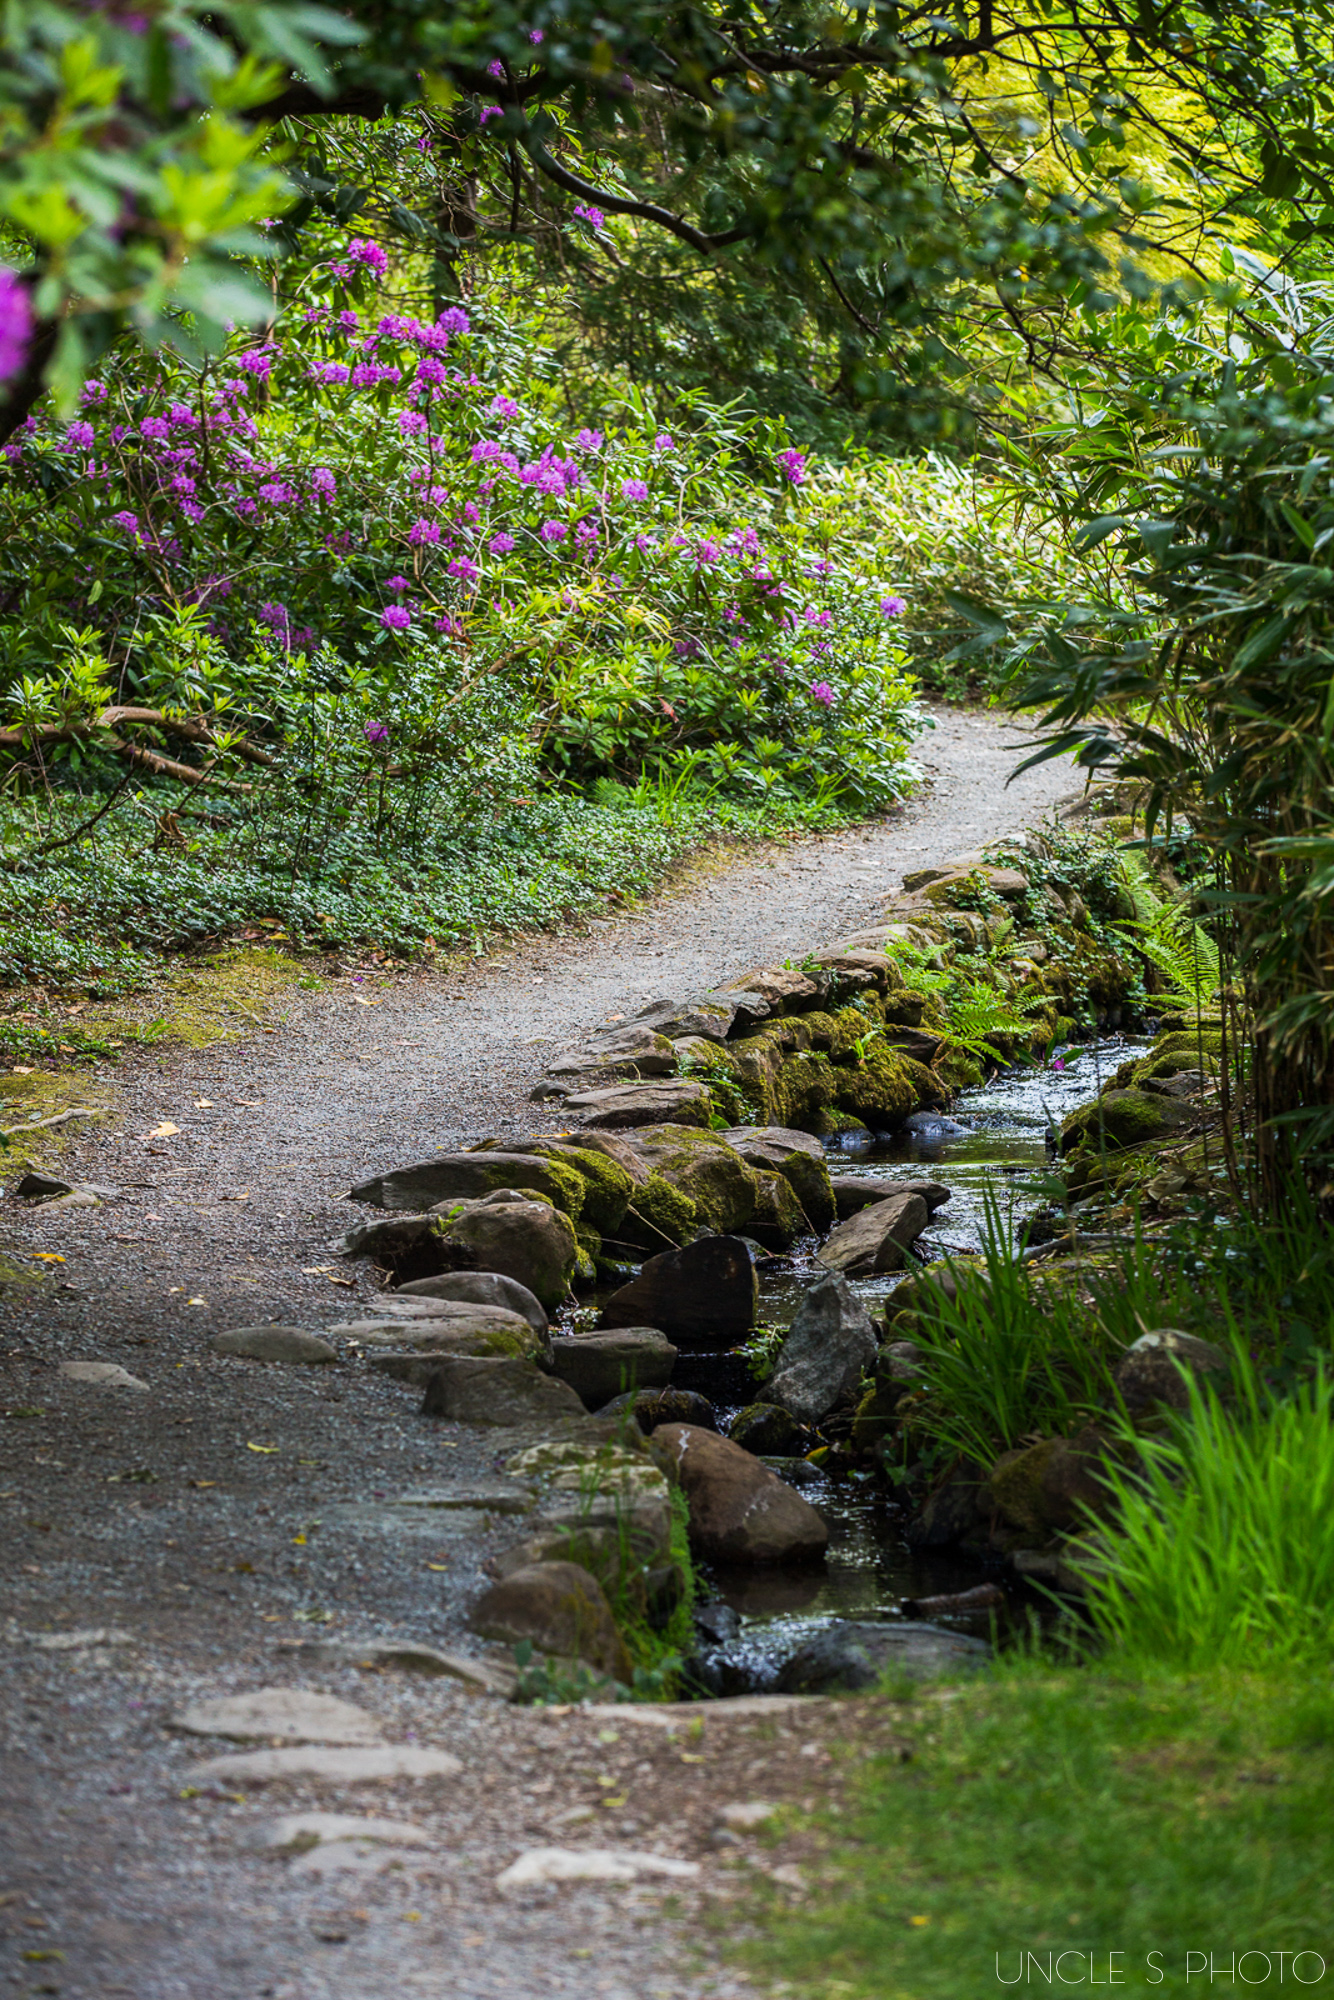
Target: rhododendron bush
321	552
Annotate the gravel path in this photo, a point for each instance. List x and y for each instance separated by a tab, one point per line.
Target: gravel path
229	1507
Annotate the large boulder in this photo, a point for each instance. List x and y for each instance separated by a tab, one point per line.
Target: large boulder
629	1104
559	1608
1150	1375
526	1240
408	1349
740	1511
830	1346
776	1217
1049	1487
854	1192
604	1364
851	1656
706	1170
782	987
701	1295
652	1407
479	1288
1121	1118
798	1157
876	1239
473	1390
470	1176
710	1014
630	1051
766	1429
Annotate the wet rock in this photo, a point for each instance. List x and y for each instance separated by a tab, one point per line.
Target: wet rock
389	1239
541	1865
950	1513
651	1407
898	1371
711	1014
279	1715
472	1391
630	1104
828	1348
854	1192
274	1343
983	1597
526	1240
1050	1486
876	1240
740	1511
621	1149
776	1216
851	1656
767	1429
702	1293
1122	1118
601	1365
387	1763
561	1609
717	1623
100	1375
1149	1373
479	1288
470	1177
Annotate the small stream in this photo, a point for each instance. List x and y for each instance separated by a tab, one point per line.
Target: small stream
992	1144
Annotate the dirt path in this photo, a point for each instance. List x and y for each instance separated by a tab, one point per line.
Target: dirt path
223	1508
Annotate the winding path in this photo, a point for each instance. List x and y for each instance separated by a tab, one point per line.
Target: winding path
230	1505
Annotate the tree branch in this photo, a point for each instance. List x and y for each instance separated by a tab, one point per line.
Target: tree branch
615	204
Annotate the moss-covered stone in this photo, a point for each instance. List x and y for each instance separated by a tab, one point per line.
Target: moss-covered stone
1123	1118
832	1121
714	1177
776	1217
608	1188
886	1086
803	1090
669	1214
767	1430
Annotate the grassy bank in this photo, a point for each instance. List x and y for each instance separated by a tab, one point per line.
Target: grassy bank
1089	1812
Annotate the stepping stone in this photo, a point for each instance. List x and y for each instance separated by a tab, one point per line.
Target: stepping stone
408	1656
380	1765
76	1642
297	1833
288	1715
589	1864
274	1343
101	1374
628	1104
356	1857
743	1815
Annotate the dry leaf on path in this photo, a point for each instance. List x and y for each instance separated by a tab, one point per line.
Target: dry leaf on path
163	1131
265	1448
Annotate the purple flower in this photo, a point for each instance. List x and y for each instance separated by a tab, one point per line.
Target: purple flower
323	482
496	69
15	323
256	361
423	531
431	370
464	570
586	533
376	732
79	437
412	423
450	628
535	36
589	441
592	216
347	319
633	489
398	584
821	691
553	531
489	111
361	250
126	520
454	320
274	615
395	618
893	607
501	544
814	617
333	371
503	407
793	463
92	392
664	442
707	552
276	491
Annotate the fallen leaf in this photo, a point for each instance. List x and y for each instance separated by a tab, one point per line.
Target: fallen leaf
243	1196
162	1131
298	1541
200	1484
47	1256
203	1103
262	1447
919	1923
22	1069
437	1565
26	1411
619	1801
316	1270
348	1284
363	1003
688	1757
196	1302
412	1916
39	1957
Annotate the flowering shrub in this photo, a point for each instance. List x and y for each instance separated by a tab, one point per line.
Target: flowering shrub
357	508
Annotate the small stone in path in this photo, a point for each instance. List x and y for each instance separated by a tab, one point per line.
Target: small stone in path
74	1642
291	1715
589	1864
299	1832
411	1657
743	1814
357	1857
274	1343
316	1763
101	1375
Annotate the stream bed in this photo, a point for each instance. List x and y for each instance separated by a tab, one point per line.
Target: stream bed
990	1147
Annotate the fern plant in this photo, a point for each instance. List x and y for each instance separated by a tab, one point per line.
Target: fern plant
1173	942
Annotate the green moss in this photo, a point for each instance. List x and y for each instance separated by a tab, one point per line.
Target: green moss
667	1211
886	1085
833	1121
1122	1118
608	1188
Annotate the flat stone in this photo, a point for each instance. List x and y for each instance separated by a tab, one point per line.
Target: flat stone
619	1360
491	1499
274	1343
706	1291
410	1656
651	1407
289	1715
876	1240
460	1177
473	1391
691	1714
854	1655
80	1641
710	1014
618	1105
100	1374
354	1857
476	1288
388	1236
297	1833
589	1864
854	1192
382	1764
743	1815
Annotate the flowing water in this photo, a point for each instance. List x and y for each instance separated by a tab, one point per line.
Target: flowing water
991	1148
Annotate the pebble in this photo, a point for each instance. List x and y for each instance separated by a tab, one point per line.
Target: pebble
288	1715
593	1864
743	1814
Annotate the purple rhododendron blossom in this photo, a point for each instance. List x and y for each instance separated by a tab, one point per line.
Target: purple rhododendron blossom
423	531
586	532
814	617
398	584
376	732
535	36
707	552
274	615
412	423
793	463
323	482
395	618
256	361
634	489
466	571
592	216
454	320
553	531
15	323
489	111
361	250
503	407
276	491
495	68
92	392
664	442
126	520
333	371
501	544
79	437
822	692
589	441
893	607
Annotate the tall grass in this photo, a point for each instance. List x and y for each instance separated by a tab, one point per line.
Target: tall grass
1222	1548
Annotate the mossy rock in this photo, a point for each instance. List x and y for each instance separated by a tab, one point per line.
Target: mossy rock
886	1085
803	1091
1186	1041
608	1188
777	1217
876	1415
715	1178
590	1252
1123	1118
767	1430
670	1214
832	1121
